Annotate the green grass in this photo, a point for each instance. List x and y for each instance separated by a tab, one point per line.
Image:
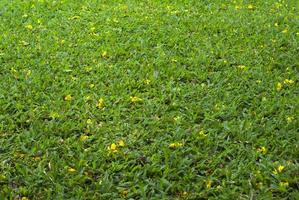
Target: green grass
204	95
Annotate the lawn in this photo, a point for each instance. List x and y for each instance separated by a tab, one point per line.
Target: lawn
149	99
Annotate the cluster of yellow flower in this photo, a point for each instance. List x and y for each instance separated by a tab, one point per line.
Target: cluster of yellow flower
113	148
279	170
175	145
287	82
249	7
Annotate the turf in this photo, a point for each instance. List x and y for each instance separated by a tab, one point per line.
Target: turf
149	99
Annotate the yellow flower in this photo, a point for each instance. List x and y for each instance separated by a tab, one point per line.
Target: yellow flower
147	81
71	170
54	115
91	86
276	24
290	119
74	78
124	193
175	145
28	72
288	82
89	121
100	103
285	30
104	54
36	158
208	184
87	98
284	184
262	150
242	67
68	97
88	69
24	198
278	86
83	137
121	143
29	27
202	133
177	118
250	7
25	43
279	169
184	194
112	148
237	7
259	185
135	99
93	29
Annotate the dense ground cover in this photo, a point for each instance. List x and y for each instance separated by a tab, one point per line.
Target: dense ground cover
149	99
